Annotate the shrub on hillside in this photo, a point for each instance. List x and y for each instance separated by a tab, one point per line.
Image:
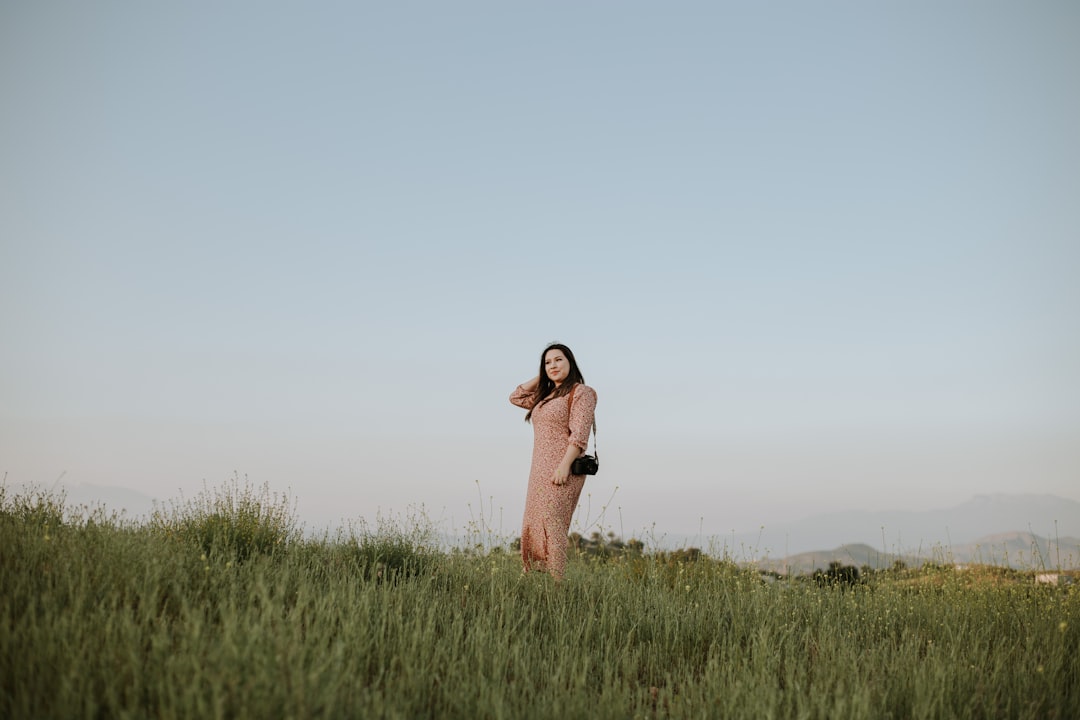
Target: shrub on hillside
33	507
237	520
393	549
838	574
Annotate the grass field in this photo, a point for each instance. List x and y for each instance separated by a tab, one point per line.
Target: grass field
219	607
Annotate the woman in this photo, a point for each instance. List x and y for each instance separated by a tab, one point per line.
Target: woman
561	409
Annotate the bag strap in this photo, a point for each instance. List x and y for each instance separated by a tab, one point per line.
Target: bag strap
570	409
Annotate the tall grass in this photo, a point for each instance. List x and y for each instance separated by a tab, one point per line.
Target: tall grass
236	521
101	618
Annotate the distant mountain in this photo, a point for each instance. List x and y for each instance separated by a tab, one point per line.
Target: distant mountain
134	503
858	554
1023	551
921	533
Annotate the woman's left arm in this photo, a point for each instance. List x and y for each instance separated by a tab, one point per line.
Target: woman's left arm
582	414
562	472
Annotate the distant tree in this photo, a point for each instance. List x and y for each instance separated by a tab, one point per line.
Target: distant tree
838	574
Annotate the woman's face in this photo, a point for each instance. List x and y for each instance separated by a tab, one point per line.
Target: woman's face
556	366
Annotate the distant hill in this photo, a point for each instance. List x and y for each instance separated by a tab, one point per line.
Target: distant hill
132	502
858	554
1018	550
921	533
1021	550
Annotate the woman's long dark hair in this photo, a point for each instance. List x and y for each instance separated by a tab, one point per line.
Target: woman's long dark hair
547	385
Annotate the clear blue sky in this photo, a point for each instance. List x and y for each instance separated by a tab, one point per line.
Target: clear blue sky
810	255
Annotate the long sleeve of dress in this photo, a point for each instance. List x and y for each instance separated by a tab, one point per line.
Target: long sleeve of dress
582	416
522	398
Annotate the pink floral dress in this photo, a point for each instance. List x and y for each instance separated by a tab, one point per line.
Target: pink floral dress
549	507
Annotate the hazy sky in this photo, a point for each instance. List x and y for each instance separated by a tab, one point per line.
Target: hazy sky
810	255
